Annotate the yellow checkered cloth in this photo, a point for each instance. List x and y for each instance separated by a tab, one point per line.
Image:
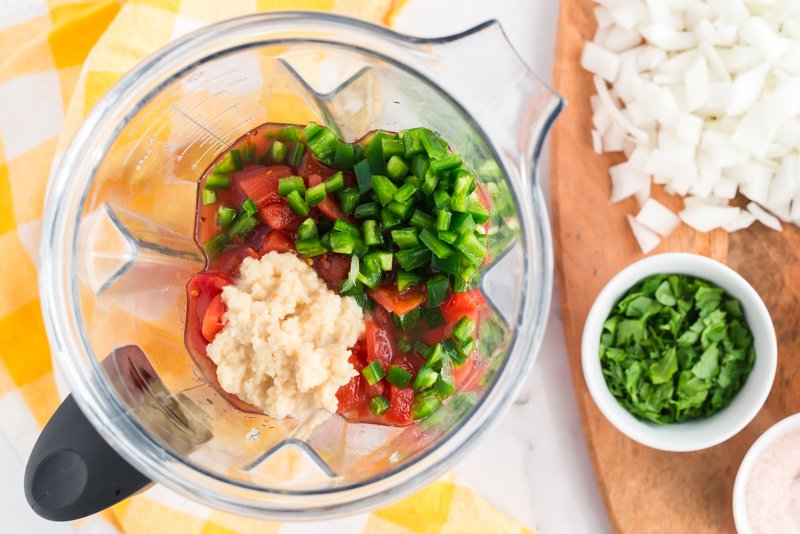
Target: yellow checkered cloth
57	58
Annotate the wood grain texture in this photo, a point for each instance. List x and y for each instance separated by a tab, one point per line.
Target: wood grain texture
645	490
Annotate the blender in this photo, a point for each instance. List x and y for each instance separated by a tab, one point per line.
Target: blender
118	249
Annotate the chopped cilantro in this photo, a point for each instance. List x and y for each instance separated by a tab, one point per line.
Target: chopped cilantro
676	348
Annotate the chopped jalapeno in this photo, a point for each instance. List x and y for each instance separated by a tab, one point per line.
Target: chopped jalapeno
406	279
297	204
398	376
334	183
218	181
292	183
225	216
378	405
278	152
426	377
249	207
373	372
315	194
309	247
396	168
349	200
209	196
216	245
438	289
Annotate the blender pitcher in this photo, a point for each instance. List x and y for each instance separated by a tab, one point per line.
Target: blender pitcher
118	249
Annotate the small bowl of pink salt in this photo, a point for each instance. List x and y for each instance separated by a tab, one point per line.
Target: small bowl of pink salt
766	494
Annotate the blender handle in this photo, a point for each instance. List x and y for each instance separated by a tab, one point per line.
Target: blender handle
73	472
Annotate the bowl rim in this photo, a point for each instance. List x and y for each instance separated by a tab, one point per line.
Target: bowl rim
786	425
650	434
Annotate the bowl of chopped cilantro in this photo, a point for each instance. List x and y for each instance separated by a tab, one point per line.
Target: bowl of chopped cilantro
679	352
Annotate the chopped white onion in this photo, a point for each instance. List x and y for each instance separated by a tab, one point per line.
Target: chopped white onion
647	239
629	14
597	142
786	184
745	89
689	128
705	218
702	97
626	181
695	83
742	221
658	218
620	39
725	188
615	113
602	17
600	61
764	217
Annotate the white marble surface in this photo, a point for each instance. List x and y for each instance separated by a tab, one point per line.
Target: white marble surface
534	463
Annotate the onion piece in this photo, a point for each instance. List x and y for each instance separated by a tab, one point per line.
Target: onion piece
600	61
742	221
785	185
708	105
745	90
765	218
715	61
646	238
629	14
695	83
658	218
615	113
626	181
597	142
705	218
689	128
602	17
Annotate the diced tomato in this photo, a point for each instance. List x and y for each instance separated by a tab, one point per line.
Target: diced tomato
259	142
400	303
383	319
230	261
357	392
461	304
279	217
329	206
203	289
433	336
400	412
352	395
261	183
332	268
276	241
212	320
359	350
312	166
380	344
463	372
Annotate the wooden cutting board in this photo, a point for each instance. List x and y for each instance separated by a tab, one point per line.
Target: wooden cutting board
646	490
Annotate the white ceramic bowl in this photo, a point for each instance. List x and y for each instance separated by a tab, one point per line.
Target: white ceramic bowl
766	439
702	433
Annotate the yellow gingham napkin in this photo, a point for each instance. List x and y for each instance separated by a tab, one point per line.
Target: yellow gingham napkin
57	58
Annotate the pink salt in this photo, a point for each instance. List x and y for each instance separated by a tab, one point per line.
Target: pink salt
773	489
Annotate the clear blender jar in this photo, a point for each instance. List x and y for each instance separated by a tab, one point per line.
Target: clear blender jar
118	248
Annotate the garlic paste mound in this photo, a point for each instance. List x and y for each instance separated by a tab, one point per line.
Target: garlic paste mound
285	342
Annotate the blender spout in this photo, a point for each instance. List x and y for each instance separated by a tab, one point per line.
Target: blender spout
483	72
